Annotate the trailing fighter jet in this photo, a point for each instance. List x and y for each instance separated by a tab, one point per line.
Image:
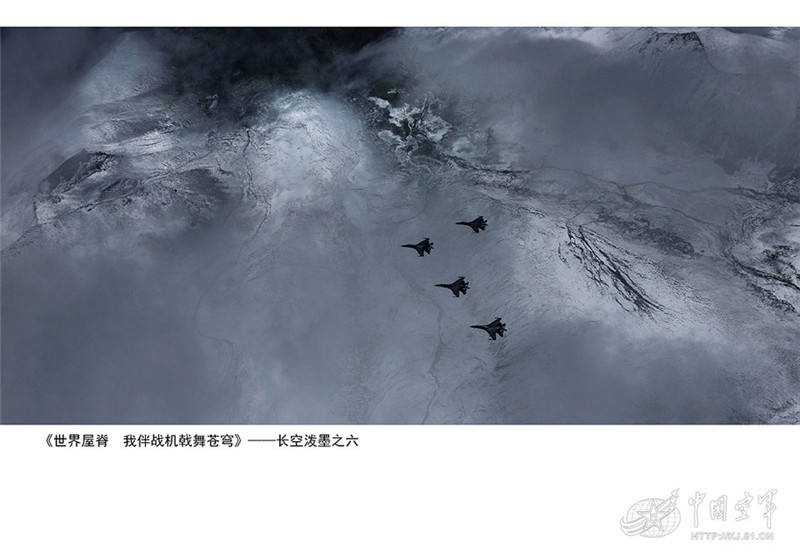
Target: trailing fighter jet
460	285
496	327
477	225
422	247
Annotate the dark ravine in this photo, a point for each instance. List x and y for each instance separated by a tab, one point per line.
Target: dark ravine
608	271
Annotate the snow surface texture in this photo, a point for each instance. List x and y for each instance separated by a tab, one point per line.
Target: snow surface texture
196	230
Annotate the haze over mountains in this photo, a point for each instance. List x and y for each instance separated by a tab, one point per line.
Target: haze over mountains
204	226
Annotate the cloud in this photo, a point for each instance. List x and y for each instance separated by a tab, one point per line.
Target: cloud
103	339
594	373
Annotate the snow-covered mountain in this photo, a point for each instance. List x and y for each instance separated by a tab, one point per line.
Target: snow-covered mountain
206	227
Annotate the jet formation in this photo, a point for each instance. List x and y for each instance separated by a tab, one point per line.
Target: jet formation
477	225
494	328
422	247
461	285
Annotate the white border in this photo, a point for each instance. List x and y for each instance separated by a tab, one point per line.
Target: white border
405	487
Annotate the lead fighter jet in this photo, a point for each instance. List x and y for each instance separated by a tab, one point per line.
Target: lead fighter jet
493	329
422	247
477	225
460	285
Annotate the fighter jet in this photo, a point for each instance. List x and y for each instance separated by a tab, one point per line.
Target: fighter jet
493	329
460	285
422	247
477	225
